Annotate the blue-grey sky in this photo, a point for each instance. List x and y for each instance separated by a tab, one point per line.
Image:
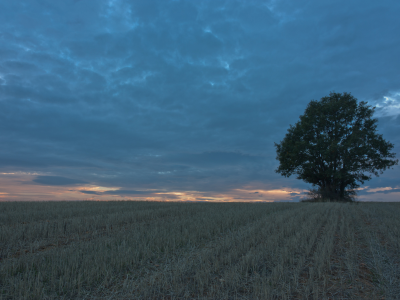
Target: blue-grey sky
182	100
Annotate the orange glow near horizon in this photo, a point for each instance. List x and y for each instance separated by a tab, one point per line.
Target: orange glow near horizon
19	187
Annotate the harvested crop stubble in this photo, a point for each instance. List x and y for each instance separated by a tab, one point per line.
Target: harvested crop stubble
145	250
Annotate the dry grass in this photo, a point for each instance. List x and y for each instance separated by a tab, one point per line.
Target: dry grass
153	250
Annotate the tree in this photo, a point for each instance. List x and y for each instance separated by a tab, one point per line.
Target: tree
332	146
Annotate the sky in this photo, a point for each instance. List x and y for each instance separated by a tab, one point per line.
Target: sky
182	100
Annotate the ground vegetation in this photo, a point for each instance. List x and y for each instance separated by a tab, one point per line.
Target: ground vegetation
155	250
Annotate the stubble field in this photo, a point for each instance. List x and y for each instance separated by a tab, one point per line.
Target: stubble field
155	250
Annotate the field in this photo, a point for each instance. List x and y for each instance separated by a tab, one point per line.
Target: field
156	250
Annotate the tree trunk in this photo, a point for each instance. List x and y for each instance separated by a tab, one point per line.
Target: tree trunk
342	185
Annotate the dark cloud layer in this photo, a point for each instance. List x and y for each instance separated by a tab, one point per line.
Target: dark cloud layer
183	95
117	192
57	180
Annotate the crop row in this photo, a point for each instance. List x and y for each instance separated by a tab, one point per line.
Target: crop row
198	250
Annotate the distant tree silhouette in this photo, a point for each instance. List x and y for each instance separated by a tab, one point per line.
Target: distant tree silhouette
331	146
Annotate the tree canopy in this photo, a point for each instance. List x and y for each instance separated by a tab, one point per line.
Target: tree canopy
332	146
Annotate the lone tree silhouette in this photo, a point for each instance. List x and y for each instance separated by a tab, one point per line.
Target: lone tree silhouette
331	146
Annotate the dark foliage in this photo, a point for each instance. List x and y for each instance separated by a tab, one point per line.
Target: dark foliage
332	146
325	195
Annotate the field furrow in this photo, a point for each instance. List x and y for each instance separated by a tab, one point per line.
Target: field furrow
144	250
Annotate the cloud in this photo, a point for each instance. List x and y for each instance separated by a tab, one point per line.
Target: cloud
390	106
127	192
91	192
214	159
384	190
180	95
133	194
57	180
118	192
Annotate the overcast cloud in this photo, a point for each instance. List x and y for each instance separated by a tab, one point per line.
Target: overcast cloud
182	99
